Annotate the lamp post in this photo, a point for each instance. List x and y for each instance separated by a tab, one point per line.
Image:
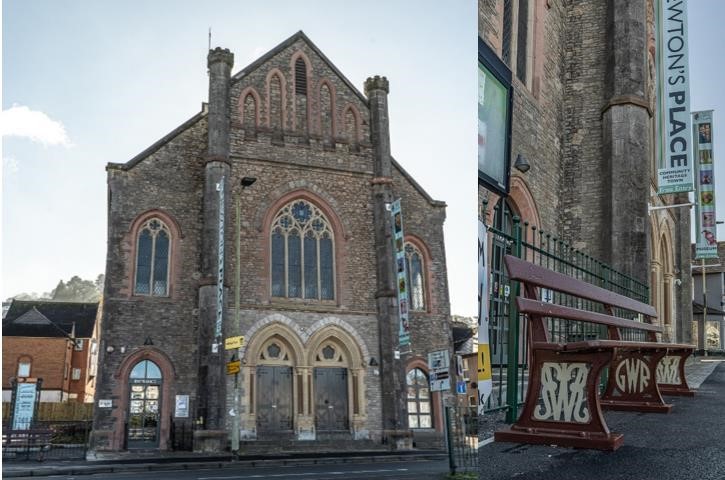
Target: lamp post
246	182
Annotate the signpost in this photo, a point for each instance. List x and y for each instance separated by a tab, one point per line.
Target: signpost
440	376
232	343
233	367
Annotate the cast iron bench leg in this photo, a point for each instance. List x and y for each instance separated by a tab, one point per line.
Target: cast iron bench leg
562	404
671	374
631	385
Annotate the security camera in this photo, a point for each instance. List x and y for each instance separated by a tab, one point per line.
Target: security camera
678	282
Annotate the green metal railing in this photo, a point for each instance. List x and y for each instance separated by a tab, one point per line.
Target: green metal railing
507	340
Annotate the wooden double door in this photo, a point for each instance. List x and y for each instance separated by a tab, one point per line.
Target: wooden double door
275	399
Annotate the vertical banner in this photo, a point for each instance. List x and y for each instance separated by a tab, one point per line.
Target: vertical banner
705	223
675	170
220	272
485	384
401	268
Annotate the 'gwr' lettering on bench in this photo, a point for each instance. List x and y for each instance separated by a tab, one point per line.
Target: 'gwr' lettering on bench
562	391
668	370
632	375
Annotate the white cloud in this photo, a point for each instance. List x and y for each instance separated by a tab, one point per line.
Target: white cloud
20	121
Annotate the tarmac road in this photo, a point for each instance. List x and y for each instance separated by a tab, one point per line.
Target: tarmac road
686	444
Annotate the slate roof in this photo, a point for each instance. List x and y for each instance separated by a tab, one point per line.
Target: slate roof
462	338
49	319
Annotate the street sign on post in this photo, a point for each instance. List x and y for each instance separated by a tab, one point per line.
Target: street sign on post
233	367
231	343
439	364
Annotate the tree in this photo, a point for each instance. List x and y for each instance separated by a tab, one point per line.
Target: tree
76	290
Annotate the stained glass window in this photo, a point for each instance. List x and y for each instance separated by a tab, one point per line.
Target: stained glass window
416	276
152	259
419	407
302	260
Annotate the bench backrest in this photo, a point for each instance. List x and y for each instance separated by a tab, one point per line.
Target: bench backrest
532	276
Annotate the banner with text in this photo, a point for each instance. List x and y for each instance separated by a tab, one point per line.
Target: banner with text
485	384
705	218
675	165
401	268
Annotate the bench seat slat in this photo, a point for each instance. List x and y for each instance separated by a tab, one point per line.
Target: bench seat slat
532	274
587	345
527	305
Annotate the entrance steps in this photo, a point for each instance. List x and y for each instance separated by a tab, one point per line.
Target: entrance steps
332	442
323	443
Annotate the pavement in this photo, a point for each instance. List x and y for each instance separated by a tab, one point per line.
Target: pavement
688	443
124	462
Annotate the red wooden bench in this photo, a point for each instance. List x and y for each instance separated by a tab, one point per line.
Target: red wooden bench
563	405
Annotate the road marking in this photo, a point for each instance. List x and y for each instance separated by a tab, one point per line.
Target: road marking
239	477
485	442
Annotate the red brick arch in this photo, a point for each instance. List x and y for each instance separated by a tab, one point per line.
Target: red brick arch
130	241
419	362
121	392
243	99
427	262
521	200
308	69
337	230
283	93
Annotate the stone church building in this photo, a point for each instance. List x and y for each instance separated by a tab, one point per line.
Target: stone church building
306	157
583	150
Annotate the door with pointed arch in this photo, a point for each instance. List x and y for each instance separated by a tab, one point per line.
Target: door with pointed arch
331	389
274	389
144	413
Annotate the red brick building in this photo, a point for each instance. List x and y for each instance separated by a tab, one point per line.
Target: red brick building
55	341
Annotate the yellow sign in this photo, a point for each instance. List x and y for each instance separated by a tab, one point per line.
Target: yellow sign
233	367
484	362
233	342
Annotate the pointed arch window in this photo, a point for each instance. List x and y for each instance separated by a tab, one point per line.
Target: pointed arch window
153	250
303	264
416	277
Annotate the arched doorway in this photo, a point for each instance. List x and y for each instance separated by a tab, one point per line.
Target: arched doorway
144	415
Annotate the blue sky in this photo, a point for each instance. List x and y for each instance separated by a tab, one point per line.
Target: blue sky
103	80
120	75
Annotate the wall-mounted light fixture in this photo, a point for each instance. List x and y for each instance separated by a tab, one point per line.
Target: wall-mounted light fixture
248	181
521	164
373	362
110	349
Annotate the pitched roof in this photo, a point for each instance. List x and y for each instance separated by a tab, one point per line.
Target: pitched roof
300	35
49	319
